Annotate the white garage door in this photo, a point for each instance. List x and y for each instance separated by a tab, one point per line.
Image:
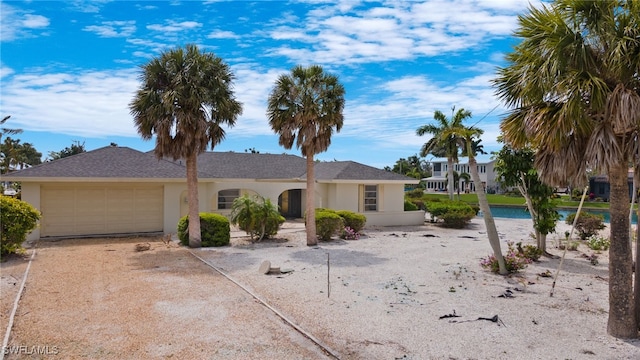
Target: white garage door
96	210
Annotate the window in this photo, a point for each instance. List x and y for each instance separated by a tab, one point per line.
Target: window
226	197
371	198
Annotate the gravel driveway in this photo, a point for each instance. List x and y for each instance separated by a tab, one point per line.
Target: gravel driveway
100	298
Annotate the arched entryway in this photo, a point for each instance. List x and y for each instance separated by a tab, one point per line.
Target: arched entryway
290	203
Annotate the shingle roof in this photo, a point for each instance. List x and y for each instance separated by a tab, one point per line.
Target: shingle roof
350	170
232	165
124	162
106	162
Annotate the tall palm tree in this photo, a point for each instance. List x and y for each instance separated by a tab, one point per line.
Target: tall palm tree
573	86
444	141
470	142
305	107
185	97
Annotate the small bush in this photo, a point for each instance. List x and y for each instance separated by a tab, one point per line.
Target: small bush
457	218
587	225
17	219
598	243
328	224
214	230
454	214
410	206
353	220
576	194
529	251
415	193
513	260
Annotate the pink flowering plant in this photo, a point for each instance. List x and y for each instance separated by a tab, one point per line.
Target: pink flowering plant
349	234
513	259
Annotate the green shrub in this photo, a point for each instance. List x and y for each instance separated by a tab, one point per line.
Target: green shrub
513	260
455	214
257	216
587	225
17	219
214	230
410	206
353	220
529	251
328	224
415	193
598	243
576	194
458	218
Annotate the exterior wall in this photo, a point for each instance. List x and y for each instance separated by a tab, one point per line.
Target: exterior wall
339	196
31	194
390	204
343	197
395	218
175	203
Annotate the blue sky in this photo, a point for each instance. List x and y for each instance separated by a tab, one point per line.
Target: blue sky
69	69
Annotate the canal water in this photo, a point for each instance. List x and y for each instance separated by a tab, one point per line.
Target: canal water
511	212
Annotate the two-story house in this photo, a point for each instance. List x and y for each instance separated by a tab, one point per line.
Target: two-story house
438	180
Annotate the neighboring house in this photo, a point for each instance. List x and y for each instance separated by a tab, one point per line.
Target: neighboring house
600	188
438	180
119	190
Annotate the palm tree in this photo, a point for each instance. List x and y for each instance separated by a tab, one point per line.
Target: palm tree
573	86
444	141
471	146
185	97
7	131
305	107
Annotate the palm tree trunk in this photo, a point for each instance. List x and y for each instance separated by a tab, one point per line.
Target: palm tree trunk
489	223
310	222
195	239
636	285
450	178
622	317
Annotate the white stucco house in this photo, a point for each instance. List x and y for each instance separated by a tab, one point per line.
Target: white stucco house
438	180
119	190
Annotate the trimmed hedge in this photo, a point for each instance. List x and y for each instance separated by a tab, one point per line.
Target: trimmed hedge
17	219
328	223
353	220
214	229
410	206
454	214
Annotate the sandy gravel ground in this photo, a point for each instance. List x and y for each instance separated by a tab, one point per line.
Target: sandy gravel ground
100	299
389	295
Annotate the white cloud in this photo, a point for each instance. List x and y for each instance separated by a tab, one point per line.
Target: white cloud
95	103
87	6
16	23
5	71
110	29
402	30
92	104
173	26
219	34
35	21
405	104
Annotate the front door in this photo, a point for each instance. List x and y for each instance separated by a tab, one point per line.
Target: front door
290	204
